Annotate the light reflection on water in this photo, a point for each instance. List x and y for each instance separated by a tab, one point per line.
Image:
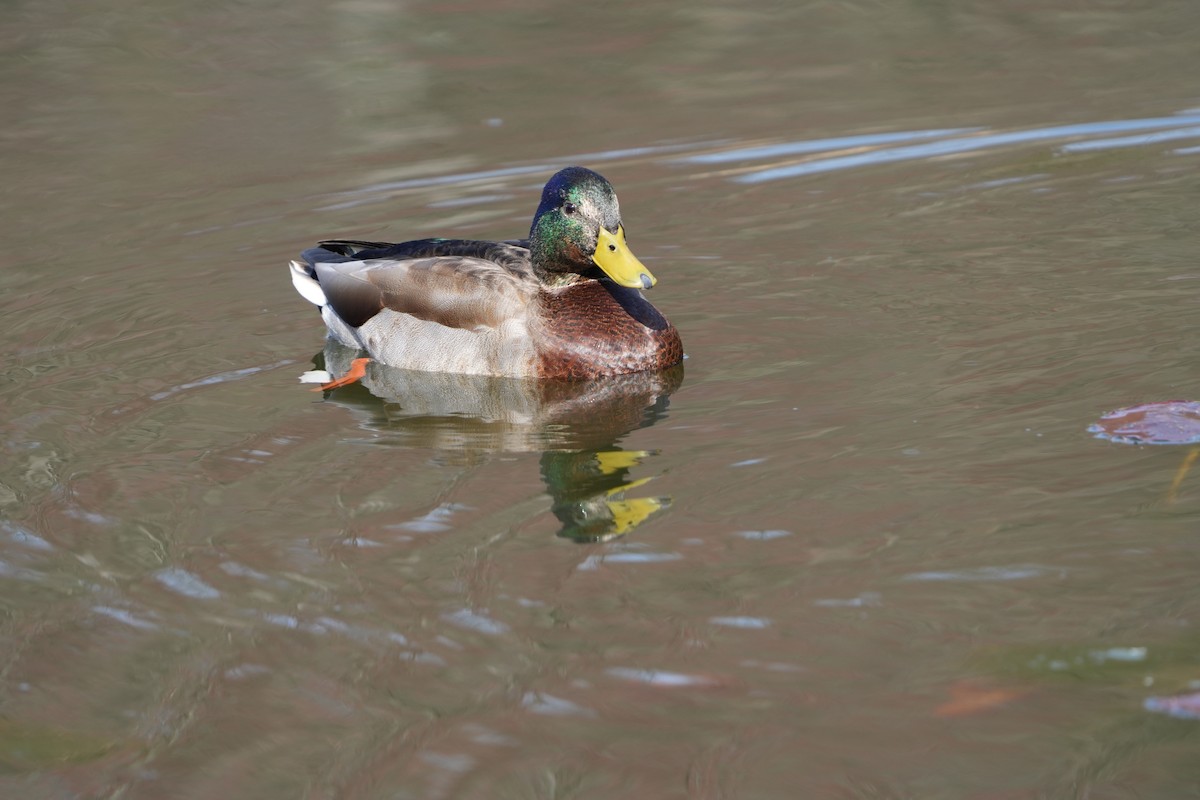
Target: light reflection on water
828	154
959	141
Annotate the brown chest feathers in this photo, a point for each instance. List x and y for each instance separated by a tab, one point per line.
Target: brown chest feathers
596	328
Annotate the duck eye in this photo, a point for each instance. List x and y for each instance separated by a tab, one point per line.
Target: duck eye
612	247
569	208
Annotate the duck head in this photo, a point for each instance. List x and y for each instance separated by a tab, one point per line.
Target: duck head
577	228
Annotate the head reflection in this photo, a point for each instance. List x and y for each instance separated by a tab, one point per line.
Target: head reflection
588	488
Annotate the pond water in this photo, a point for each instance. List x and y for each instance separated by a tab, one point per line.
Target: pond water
860	545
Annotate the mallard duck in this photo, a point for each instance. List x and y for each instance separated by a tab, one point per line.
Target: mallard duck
565	303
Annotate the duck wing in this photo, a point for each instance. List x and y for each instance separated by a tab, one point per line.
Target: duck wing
512	253
453	282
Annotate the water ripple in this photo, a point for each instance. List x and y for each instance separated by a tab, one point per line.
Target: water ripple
981	574
121	615
818	145
661	678
25	537
466	618
1132	141
185	583
959	141
741	622
763	536
551	706
594	562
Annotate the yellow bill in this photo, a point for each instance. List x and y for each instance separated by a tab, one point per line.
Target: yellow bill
613	256
610	461
628	514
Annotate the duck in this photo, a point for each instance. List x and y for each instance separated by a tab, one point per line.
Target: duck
564	304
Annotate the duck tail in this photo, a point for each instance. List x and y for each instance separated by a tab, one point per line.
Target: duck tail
305	281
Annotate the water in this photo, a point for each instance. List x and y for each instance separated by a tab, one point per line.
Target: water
860	545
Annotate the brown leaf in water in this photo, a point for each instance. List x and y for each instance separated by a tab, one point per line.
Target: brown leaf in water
967	697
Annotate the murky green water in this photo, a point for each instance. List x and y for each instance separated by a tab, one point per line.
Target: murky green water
861	545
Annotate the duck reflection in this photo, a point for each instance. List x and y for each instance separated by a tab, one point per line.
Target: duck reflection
575	425
589	488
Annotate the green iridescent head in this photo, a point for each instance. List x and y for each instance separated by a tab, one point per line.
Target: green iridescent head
577	228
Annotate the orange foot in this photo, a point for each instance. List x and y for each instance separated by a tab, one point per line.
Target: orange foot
358	368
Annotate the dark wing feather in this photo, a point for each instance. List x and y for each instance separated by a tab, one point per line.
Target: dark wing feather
354	299
513	255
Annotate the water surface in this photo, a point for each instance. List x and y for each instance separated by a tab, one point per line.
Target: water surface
860	545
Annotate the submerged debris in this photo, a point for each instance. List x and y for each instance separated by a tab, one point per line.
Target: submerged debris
1169	422
1184	706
